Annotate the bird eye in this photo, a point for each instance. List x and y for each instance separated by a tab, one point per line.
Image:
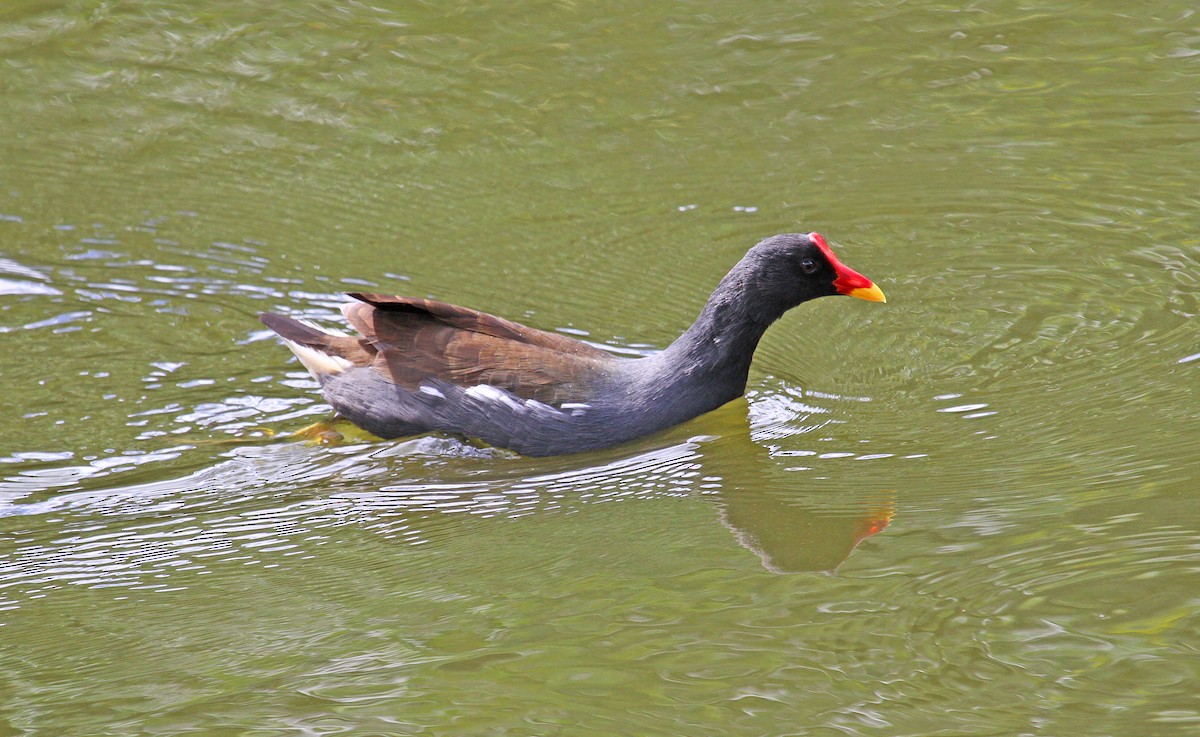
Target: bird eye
808	266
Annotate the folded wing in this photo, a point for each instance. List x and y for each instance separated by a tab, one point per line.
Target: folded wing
410	341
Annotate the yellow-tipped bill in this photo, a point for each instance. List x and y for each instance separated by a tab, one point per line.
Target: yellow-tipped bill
871	293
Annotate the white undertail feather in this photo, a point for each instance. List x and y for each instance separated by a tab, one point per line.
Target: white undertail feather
318	362
328	331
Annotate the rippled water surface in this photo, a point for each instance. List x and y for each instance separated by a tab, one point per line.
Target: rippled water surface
970	511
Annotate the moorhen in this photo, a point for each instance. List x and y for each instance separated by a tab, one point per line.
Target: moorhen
420	366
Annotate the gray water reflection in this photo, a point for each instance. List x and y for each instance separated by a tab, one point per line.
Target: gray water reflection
213	516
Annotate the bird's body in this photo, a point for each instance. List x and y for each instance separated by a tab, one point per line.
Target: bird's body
419	366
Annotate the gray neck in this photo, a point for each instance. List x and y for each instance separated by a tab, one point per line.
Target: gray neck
707	366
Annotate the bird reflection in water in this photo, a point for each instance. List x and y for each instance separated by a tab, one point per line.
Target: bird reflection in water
770	514
765	506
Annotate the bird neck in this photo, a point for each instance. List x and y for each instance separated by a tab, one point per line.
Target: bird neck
717	349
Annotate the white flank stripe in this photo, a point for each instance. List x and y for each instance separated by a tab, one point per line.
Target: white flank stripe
537	406
490	393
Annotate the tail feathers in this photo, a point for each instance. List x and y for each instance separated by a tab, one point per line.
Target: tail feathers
322	353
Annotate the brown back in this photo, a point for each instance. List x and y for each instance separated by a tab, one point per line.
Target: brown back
418	339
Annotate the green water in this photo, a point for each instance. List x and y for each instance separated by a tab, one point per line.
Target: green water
970	511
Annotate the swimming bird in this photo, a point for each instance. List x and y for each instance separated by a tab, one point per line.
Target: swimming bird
418	365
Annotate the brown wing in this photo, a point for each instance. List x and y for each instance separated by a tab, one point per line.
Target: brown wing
418	339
